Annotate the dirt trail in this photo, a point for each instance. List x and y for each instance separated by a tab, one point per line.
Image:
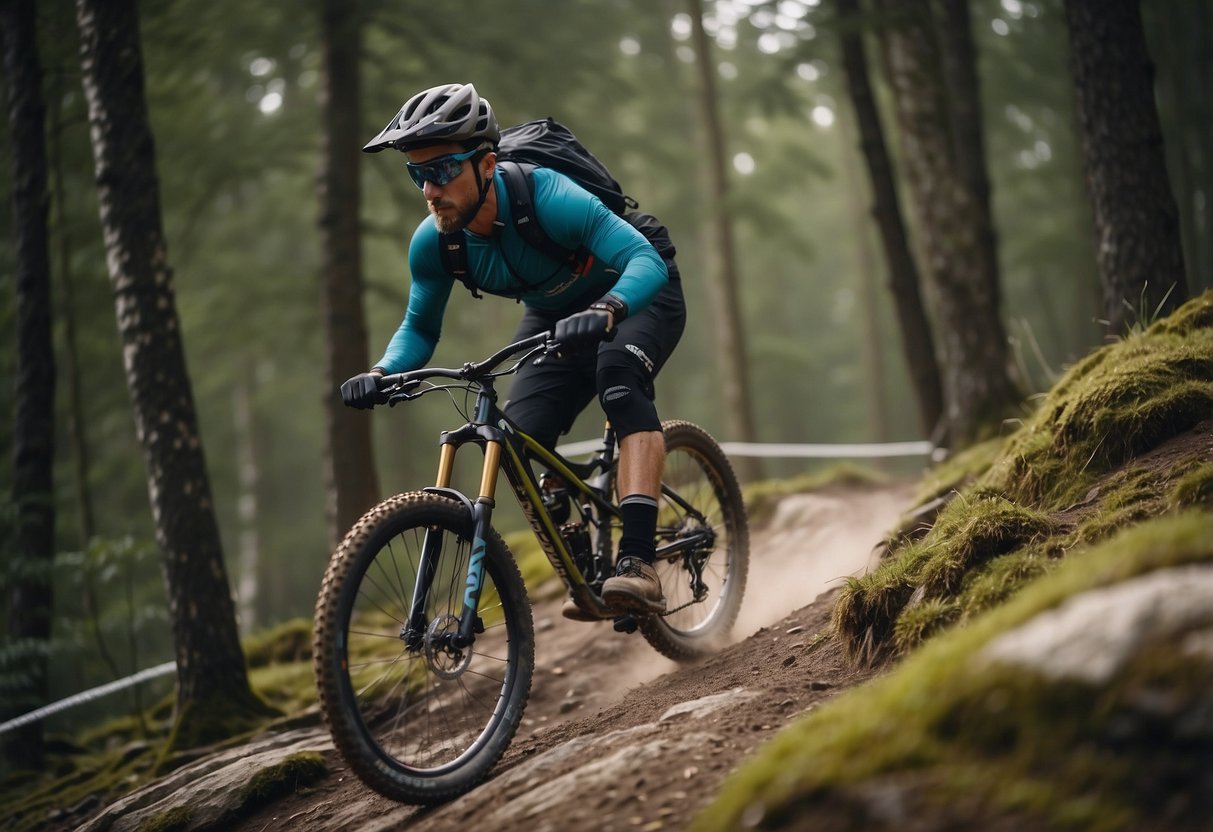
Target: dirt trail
617	737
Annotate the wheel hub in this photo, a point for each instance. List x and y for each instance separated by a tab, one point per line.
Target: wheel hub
445	659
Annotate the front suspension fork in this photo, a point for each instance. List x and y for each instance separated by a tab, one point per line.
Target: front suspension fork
482	519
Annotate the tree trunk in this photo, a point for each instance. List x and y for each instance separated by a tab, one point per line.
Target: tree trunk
30	592
726	308
1184	66
968	134
248	474
353	484
213	694
977	388
1138	251
903	274
77	436
872	347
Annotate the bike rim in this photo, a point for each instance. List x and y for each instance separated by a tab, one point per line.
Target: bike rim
424	707
693	478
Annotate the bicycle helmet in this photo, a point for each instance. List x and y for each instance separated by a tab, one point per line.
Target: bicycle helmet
452	113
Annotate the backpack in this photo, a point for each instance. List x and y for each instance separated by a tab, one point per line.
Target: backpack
542	143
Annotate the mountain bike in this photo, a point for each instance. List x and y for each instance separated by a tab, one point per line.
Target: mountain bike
424	644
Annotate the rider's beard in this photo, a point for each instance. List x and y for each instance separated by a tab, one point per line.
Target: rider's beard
451	218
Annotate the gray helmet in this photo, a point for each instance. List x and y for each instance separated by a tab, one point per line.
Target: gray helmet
452	113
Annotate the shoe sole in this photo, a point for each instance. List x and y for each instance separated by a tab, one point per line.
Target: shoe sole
620	599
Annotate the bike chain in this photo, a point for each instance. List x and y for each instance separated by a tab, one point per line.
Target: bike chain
683	607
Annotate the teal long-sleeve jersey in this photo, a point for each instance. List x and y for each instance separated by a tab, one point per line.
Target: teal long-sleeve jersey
622	263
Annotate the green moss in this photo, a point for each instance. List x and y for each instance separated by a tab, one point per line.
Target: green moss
996	742
959	470
174	820
1004	576
1117	403
223	717
1074	473
287	687
290	641
921	621
969	533
292	773
1194	488
111	773
1194	315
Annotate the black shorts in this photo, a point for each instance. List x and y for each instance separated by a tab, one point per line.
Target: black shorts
545	400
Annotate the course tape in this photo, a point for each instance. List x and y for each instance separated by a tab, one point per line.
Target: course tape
755	449
761	449
89	695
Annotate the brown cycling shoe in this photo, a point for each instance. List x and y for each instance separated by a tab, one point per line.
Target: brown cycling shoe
573	612
634	587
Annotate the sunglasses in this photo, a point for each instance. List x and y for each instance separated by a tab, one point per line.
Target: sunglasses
440	171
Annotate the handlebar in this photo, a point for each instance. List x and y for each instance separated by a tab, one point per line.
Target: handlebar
400	384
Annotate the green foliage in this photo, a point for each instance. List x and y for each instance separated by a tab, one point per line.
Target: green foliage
977	741
111	620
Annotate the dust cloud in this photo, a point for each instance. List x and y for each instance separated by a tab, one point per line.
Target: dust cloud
811	545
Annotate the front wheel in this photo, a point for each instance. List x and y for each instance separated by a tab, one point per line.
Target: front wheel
701	524
417	713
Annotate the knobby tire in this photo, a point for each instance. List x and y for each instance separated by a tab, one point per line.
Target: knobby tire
698	470
422	723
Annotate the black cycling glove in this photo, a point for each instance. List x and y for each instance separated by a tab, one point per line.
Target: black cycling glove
362	391
585	329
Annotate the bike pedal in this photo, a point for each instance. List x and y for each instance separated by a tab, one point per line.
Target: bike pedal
626	624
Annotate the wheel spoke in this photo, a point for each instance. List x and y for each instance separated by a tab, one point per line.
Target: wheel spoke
408	697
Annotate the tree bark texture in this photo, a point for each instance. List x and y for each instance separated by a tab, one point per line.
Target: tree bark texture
968	134
977	388
210	665
30	593
915	329
729	327
1138	251
353	482
1185	64
76	421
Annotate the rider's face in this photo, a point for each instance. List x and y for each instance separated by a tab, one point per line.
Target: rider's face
457	197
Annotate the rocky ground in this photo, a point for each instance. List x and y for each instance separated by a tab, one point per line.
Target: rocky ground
615	736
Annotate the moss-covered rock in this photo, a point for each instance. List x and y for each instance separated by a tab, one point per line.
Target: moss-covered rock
1111	445
960	738
292	773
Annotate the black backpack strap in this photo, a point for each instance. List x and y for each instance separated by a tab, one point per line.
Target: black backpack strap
521	189
453	252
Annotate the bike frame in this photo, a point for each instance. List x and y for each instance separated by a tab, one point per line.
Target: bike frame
510	449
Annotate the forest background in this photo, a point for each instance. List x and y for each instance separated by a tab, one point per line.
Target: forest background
235	100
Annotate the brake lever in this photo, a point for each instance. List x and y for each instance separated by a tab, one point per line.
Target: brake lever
552	350
403	392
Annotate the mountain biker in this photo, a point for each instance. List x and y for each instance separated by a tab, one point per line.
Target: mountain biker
628	284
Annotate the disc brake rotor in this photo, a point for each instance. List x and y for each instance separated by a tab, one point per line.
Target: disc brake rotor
445	659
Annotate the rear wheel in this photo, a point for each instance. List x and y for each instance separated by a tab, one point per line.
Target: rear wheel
701	523
420	716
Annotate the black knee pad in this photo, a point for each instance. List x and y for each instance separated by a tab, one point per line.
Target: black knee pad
626	397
